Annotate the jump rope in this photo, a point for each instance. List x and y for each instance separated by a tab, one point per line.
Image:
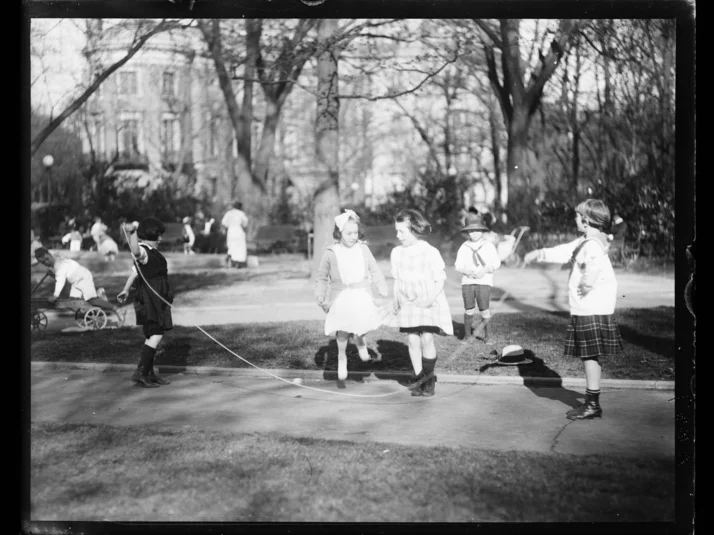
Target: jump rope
412	386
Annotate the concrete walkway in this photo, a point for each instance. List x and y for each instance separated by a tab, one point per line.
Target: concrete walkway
482	412
515	290
637	422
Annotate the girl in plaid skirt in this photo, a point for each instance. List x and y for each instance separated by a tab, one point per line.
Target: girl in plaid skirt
419	300
592	291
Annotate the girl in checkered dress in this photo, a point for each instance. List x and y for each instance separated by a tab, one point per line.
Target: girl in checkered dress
592	291
419	300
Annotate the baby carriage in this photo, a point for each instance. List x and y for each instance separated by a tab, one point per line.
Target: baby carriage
506	245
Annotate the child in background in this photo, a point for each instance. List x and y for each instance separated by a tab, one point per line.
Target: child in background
153	295
592	292
419	300
34	245
108	248
189	238
74	238
476	260
343	288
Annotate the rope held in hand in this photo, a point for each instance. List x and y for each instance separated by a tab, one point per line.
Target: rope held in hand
412	386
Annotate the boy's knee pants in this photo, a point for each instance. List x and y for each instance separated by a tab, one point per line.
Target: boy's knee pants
476	294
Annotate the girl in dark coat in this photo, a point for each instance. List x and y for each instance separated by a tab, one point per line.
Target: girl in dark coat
153	295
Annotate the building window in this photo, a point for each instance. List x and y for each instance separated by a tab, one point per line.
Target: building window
170	137
129	137
128	83
167	85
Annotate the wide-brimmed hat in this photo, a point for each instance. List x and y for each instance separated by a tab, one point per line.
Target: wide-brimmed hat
474	222
511	355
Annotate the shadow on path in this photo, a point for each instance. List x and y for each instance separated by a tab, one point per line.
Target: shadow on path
537	368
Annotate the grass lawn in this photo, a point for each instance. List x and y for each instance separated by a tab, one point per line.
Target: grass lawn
82	472
648	336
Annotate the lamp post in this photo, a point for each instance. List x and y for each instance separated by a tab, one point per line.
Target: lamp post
47	161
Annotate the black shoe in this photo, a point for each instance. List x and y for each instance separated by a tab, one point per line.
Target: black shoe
587	411
415	387
146	383
158	380
429	387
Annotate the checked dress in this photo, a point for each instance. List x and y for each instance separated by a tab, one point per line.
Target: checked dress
416	270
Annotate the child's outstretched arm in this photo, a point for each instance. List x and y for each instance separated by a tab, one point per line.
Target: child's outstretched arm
121	297
560	254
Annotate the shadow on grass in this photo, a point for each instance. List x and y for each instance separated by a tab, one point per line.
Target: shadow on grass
174	351
538	368
664	347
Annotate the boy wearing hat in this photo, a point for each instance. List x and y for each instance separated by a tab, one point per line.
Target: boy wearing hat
476	260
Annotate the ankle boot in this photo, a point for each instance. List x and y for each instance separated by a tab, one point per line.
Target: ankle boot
154	378
468	326
429	387
146	364
588	410
417	390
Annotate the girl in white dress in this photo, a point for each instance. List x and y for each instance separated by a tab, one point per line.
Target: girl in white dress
343	288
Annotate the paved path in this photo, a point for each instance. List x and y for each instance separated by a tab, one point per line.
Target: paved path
636	423
516	290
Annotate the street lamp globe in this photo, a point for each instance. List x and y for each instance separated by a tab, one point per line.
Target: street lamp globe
48	160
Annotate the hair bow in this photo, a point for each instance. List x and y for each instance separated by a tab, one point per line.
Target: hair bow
341	220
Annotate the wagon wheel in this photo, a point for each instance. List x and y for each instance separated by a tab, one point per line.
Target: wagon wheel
95	318
79	318
38	321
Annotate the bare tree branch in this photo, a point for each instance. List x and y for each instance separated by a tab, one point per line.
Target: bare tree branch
137	43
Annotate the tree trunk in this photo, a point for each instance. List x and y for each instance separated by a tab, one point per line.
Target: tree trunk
500	179
327	195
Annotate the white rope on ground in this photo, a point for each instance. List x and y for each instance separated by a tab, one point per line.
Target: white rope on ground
414	385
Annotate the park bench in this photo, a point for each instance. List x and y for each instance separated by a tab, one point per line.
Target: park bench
280	239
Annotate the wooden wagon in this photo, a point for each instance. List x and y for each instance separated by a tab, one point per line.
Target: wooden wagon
86	315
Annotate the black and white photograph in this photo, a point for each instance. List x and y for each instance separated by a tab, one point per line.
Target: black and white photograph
338	265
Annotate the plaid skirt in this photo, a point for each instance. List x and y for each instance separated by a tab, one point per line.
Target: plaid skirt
593	336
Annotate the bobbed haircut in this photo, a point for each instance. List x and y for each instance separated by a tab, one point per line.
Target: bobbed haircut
337	233
417	223
150	229
595	212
